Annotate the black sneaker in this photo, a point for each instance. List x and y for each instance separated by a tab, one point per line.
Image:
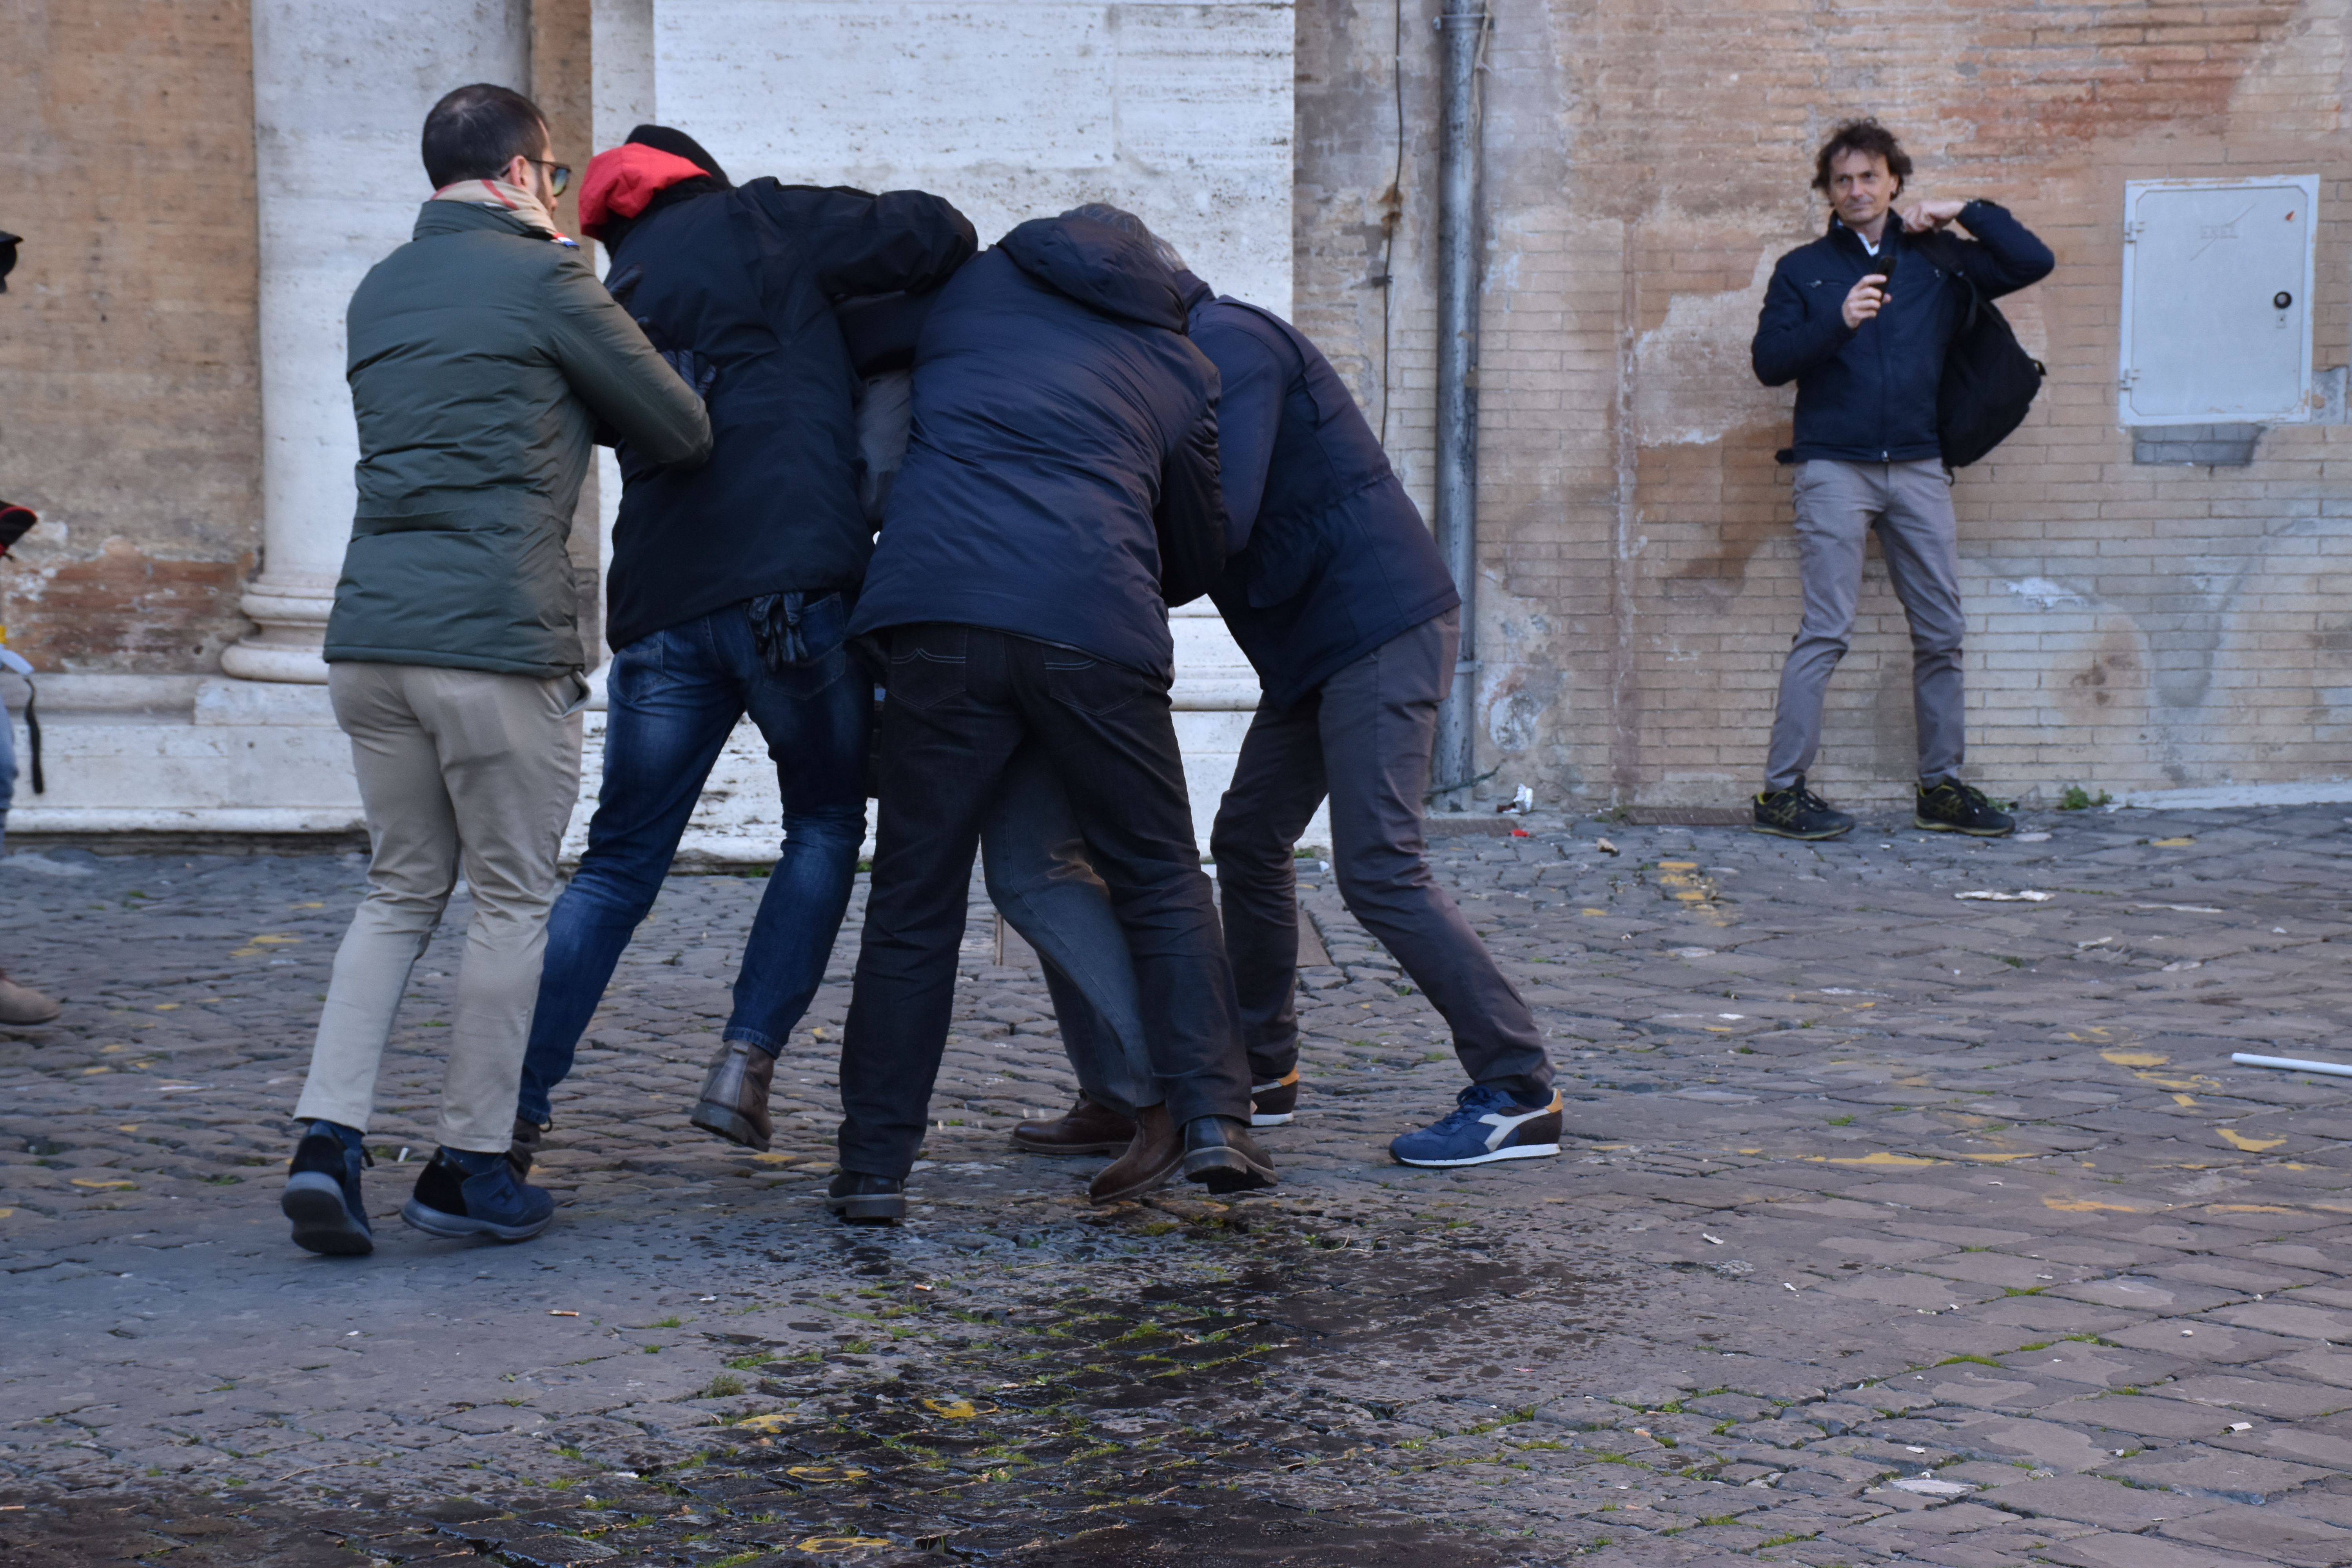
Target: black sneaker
1273	1104
1951	806
861	1199
322	1192
1797	813
465	1193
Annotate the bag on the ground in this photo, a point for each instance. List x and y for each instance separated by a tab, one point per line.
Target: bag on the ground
1990	381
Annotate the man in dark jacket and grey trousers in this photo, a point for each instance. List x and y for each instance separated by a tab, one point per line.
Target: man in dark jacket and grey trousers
1859	320
1059	492
1345	608
484	354
732	583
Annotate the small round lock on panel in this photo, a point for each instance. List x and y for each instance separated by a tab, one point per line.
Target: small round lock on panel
2282	300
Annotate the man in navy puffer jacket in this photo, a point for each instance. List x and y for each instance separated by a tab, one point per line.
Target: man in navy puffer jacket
1059	491
1859	320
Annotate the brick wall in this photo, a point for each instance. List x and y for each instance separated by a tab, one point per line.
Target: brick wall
132	416
2131	625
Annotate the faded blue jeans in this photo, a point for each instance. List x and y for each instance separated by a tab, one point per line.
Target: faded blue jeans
672	700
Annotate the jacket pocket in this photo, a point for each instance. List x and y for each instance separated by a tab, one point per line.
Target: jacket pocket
1281	561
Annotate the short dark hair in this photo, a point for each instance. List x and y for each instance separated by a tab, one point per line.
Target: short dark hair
1127	223
1865	136
476	130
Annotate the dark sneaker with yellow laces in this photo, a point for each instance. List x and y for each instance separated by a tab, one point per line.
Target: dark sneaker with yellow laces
1951	806
1797	813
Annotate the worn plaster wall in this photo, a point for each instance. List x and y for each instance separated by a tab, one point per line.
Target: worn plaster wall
127	341
2132	626
1180	112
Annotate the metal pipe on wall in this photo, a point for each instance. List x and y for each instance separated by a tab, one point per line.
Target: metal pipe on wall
1461	31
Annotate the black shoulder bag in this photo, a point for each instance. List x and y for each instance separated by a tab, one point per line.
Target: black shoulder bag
1990	381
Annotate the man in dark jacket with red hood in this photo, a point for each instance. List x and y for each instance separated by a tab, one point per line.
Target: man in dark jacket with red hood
1059	491
732	583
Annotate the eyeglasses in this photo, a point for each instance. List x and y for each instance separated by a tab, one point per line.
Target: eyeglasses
559	175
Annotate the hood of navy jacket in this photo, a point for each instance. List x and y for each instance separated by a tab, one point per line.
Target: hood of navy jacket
1098	266
1063	455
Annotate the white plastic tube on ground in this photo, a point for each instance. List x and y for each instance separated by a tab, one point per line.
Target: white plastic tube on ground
2290	1064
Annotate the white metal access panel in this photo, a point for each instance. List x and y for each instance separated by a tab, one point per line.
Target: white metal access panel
2217	300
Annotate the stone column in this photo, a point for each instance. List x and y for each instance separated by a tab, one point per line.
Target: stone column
339	93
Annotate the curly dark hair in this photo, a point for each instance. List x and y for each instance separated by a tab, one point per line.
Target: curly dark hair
1867	136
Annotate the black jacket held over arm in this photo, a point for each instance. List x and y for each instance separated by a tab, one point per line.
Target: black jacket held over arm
746	278
1335	559
1867	394
1064	453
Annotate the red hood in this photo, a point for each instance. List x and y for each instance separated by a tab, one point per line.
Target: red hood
624	180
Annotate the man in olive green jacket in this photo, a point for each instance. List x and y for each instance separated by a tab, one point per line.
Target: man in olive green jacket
484	357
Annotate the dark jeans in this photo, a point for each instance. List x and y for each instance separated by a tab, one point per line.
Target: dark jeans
963	701
1363	737
672	700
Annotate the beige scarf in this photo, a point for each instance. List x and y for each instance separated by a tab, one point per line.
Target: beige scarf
504	197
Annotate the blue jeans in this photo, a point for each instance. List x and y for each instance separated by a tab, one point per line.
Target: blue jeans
672	700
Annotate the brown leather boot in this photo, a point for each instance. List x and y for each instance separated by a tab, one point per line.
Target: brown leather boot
1150	1160
1089	1127
734	1103
22	1004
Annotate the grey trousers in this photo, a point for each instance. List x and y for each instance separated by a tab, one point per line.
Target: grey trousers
1363	737
1910	505
1041	881
456	767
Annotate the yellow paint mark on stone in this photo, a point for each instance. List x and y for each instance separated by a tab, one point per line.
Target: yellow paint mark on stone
2136	1058
1882	1158
165	1007
1593	912
86	1071
2247	1208
774	1159
2183	1100
2237	1140
2064	1204
773	1421
95	1182
958	1409
6	1213
2026	1156
2171	843
827	1545
825	1473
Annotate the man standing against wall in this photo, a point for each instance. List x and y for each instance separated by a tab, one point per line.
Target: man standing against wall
1859	320
483	354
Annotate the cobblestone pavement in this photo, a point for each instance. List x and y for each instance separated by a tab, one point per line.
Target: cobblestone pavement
1895	1225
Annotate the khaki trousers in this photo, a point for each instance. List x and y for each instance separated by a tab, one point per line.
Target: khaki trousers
456	767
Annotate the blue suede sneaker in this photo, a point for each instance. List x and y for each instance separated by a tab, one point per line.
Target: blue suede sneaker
463	1193
1488	1124
323	1192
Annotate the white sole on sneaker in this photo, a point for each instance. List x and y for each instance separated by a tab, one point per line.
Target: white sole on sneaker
1516	1152
1273	1119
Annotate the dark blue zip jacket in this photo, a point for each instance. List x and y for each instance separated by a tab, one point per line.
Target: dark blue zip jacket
1867	394
1336	560
747	277
1064	428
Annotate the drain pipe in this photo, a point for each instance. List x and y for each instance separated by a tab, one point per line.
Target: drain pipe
1461	32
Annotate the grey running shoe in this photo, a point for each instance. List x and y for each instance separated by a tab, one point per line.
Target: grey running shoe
1797	813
